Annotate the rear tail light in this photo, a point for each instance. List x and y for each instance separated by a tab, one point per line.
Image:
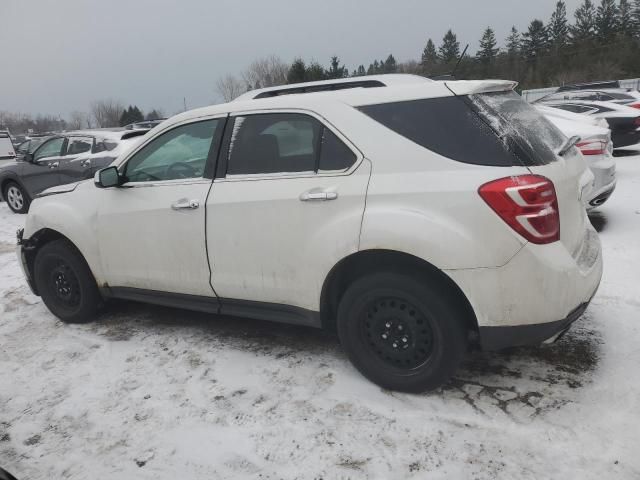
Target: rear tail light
592	147
634	105
528	204
636	121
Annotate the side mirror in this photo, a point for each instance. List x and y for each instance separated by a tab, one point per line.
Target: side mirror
107	178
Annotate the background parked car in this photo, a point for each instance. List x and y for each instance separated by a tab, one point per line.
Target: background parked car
7	153
622	96
623	121
596	147
60	159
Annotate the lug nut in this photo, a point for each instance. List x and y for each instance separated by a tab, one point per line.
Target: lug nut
384	336
388	325
404	339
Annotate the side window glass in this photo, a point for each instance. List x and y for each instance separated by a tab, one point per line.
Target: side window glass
77	145
284	143
273	143
334	154
177	154
51	148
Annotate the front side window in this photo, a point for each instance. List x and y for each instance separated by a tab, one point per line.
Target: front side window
177	154
284	143
51	148
78	145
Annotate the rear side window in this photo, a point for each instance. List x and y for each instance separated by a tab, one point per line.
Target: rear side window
447	126
77	145
284	143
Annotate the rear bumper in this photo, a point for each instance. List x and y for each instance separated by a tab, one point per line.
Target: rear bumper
535	295
497	338
598	197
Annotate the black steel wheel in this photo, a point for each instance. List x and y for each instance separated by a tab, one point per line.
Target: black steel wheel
402	331
65	282
397	332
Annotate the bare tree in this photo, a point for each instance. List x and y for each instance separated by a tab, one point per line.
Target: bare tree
107	113
77	120
266	72
229	87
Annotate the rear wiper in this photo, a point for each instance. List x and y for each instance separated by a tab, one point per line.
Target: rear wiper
568	144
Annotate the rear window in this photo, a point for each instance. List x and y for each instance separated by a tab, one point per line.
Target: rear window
494	129
522	128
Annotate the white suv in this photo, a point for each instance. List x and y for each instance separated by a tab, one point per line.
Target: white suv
414	219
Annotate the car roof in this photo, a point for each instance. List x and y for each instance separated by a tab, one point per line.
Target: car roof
367	81
318	101
115	134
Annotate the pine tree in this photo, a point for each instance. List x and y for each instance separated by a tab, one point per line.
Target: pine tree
558	27
135	115
315	72
585	22
429	54
390	65
297	71
153	115
124	118
514	42
606	21
535	40
488	50
636	18
450	48
374	68
361	71
626	25
336	70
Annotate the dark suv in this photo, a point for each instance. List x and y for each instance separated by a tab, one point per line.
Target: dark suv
60	159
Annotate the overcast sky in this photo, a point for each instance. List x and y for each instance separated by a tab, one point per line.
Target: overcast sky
59	56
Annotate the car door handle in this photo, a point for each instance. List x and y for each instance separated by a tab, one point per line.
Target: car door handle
184	203
318	196
54	165
85	163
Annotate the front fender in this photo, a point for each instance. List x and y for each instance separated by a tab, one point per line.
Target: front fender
72	215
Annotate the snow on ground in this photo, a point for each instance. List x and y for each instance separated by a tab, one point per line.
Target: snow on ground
150	392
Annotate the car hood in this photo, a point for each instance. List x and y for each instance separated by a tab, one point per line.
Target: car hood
69	187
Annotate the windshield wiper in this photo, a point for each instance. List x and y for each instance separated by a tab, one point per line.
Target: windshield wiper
568	144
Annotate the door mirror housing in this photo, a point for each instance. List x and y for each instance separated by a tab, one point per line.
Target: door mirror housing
107	178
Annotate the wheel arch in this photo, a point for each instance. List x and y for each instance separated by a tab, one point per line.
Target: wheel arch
38	240
5	181
366	262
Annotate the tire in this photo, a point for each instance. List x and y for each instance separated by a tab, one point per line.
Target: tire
401	332
65	283
16	197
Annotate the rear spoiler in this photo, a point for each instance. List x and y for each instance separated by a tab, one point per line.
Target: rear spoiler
134	133
470	87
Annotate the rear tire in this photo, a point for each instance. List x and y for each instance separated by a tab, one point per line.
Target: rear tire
16	197
65	283
401	332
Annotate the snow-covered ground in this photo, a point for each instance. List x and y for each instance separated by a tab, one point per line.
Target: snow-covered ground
150	392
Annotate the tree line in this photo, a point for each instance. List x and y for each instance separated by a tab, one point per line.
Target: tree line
103	114
601	42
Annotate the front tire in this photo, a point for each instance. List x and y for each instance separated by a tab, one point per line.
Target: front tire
65	283
16	197
401	332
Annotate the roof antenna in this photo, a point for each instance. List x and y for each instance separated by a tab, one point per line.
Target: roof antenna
453	74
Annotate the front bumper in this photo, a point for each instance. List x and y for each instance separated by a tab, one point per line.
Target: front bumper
21	252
